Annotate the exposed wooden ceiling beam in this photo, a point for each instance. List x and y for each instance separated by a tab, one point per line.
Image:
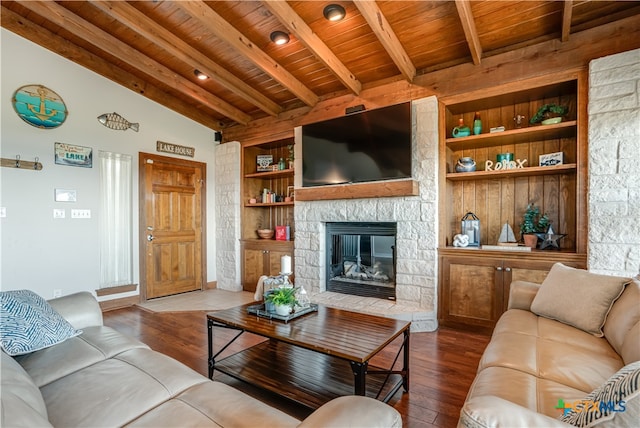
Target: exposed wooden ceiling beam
45	38
381	28
470	32
143	25
536	61
94	35
320	50
225	31
567	13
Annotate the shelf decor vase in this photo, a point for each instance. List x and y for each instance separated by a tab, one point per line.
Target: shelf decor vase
477	124
465	164
461	130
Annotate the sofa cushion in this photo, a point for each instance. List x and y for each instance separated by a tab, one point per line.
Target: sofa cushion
116	391
95	344
28	323
551	350
624	315
214	404
577	297
20	399
615	403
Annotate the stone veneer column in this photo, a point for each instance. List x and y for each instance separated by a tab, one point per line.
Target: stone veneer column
614	164
417	236
227	212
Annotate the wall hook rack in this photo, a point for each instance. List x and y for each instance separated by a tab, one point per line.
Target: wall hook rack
18	163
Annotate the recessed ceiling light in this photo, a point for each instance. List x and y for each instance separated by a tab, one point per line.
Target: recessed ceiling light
279	37
200	75
334	12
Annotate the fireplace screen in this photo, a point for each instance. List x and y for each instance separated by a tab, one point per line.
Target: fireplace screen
361	259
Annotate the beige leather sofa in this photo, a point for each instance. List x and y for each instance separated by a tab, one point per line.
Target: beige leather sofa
532	362
103	378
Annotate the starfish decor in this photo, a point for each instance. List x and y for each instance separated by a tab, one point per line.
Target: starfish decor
550	239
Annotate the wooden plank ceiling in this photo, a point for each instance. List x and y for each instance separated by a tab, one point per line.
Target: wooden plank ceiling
154	47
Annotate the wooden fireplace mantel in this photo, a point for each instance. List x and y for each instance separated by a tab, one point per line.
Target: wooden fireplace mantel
377	189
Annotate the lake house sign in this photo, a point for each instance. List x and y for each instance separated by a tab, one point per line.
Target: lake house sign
175	149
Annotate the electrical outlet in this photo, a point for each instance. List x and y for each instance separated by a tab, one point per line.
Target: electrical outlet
58	213
57	293
80	213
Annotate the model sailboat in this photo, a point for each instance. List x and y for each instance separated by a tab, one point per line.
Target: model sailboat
507	238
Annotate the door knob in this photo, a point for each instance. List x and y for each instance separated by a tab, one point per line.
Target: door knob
149	237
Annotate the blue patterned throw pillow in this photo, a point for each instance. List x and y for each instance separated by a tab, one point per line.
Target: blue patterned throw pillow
28	323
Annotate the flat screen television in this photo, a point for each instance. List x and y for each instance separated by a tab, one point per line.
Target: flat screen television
372	145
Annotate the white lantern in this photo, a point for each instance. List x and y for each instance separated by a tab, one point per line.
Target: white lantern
471	228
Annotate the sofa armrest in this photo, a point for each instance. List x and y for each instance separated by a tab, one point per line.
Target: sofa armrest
491	411
80	309
521	294
353	411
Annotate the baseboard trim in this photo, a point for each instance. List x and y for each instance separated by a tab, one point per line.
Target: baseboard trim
116	290
211	285
124	302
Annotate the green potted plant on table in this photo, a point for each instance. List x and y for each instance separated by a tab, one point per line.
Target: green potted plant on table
533	223
283	299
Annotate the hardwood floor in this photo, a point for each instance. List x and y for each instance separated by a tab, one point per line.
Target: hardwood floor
443	363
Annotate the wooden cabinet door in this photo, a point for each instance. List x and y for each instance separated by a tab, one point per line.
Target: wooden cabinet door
253	268
472	291
274	258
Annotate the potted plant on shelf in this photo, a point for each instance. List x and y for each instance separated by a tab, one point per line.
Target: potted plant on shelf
290	157
533	223
549	113
283	300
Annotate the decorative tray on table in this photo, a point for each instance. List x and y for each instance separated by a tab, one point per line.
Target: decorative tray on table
260	311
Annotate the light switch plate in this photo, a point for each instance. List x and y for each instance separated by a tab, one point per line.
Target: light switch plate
80	213
58	213
3	212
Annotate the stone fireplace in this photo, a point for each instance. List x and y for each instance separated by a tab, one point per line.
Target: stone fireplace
416	219
361	259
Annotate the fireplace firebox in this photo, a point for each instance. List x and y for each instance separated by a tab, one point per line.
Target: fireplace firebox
361	259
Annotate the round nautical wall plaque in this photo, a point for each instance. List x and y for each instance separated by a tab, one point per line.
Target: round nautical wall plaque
39	106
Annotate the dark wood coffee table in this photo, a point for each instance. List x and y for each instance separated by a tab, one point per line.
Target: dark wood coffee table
316	357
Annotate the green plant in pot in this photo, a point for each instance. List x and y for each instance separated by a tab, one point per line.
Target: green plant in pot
532	223
549	113
283	299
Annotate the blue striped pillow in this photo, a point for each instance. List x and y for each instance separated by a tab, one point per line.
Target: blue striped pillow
28	323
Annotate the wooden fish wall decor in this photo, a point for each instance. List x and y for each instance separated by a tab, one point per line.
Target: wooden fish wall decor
117	122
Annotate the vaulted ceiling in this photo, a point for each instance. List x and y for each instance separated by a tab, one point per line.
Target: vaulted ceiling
155	47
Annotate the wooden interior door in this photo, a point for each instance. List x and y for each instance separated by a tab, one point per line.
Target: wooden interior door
172	254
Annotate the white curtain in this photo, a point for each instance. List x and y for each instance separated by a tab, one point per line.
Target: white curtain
116	264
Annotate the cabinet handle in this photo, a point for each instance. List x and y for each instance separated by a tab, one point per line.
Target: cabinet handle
499	268
508	269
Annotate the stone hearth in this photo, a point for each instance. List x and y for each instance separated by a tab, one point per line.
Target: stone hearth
417	234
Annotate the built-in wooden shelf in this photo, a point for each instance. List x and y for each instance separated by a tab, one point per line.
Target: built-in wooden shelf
514	136
270	204
518	172
376	189
271	174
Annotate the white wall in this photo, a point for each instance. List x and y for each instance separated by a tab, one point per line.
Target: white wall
614	164
43	254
